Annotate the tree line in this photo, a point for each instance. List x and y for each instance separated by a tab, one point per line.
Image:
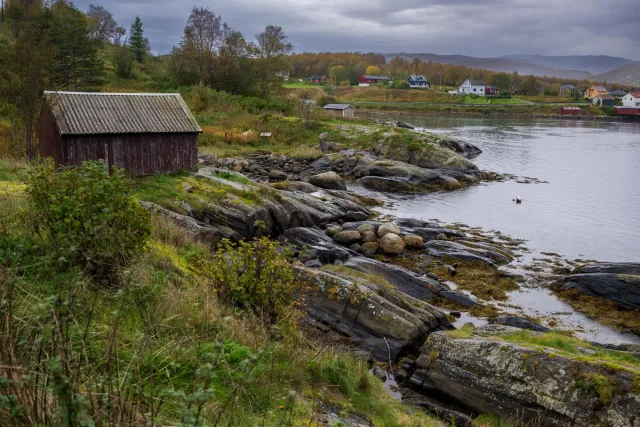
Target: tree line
346	68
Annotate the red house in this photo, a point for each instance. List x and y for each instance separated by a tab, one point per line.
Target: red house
370	80
491	90
570	111
318	78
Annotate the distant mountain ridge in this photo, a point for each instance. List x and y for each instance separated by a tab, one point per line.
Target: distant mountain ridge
594	64
628	74
568	67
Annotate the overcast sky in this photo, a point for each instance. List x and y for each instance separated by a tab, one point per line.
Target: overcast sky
485	28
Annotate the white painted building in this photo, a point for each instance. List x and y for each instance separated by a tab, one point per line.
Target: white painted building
472	87
632	99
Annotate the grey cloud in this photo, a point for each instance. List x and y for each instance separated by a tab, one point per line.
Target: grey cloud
468	27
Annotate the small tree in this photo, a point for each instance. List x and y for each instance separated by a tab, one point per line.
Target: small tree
258	276
372	70
137	42
88	216
273	45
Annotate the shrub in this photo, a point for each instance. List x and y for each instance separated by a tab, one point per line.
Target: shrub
123	61
345	83
88	216
258	276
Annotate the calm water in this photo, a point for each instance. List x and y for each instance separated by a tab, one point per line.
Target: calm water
589	209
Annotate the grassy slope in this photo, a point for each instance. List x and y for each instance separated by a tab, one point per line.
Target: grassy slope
161	324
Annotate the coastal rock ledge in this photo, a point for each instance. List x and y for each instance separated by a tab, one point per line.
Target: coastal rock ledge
512	373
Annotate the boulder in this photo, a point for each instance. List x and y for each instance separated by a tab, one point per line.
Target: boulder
392	244
369	236
549	387
332	230
367	227
369	248
347	237
413	242
328	180
386	228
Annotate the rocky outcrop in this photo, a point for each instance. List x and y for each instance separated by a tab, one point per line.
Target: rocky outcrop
619	283
465	149
323	247
468	251
384	322
407	282
520	323
196	230
488	374
271	212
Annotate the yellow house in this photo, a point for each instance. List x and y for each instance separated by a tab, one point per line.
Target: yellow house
594	91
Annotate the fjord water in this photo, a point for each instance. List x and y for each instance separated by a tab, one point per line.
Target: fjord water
590	208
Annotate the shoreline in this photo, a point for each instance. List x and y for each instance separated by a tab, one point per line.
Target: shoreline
366	113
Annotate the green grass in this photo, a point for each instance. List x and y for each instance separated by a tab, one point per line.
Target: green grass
570	346
492	101
298	85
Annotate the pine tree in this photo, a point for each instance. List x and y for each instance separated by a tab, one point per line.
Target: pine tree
76	64
139	46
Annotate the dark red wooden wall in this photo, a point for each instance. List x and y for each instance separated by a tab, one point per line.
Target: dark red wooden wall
140	154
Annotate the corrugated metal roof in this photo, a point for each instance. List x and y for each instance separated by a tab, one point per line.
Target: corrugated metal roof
601	89
337	106
82	113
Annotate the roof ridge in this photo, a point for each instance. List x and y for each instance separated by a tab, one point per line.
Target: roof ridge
55	92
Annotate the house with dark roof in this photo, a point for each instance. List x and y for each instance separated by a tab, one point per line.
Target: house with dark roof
566	90
318	78
472	86
417	81
371	80
339	110
604	100
143	133
596	90
618	93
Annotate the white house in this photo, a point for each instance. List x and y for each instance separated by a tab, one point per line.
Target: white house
472	87
632	99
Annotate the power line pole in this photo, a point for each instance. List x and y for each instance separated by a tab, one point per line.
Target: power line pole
2	10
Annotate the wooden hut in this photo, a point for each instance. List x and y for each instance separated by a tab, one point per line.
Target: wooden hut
143	133
339	110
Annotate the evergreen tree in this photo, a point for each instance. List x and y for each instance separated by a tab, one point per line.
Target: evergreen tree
139	46
76	63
